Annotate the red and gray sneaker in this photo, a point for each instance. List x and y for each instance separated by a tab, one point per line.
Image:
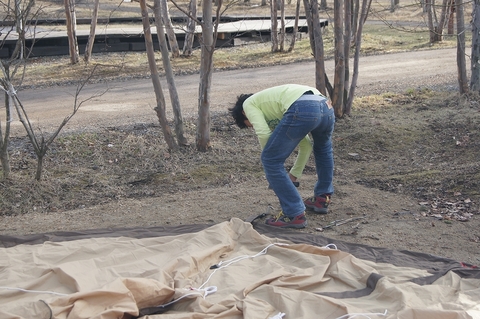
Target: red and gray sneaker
284	221
319	204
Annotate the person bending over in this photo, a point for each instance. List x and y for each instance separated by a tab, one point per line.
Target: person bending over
282	117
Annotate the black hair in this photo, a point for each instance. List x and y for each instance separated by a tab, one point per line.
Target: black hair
237	111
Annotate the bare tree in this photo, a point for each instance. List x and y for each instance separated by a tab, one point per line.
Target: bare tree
347	40
348	26
451	17
475	59
274	22
91	36
356	58
167	22
71	21
190	30
339	76
461	64
41	143
6	87
160	107
12	67
208	40
206	70
295	27
179	130
281	38
436	22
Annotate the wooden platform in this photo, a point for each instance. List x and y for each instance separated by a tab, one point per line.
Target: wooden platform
51	40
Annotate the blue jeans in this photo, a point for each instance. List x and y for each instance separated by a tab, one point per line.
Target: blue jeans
309	114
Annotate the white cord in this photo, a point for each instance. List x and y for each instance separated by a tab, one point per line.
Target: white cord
278	316
364	315
34	291
329	246
207	291
237	259
217	267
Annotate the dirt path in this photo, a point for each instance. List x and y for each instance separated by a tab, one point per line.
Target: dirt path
132	101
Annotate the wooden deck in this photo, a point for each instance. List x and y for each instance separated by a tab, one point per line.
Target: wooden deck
51	40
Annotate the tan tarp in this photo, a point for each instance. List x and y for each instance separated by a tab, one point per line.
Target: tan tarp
229	270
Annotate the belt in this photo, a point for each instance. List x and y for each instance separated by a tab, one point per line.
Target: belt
311	97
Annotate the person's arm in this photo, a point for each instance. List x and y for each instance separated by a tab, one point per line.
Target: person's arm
257	119
304	151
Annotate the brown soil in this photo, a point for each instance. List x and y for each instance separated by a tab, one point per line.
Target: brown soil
406	173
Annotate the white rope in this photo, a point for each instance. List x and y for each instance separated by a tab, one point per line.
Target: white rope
363	315
207	291
216	267
278	316
34	291
329	246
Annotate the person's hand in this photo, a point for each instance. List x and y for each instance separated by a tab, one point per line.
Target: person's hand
294	180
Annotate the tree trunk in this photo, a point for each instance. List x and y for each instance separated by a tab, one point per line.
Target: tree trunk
281	40
356	58
5	138
443	20
167	22
451	18
91	37
475	60
355	18
71	21
206	70
318	49
429	10
179	130
308	15
160	108
461	64
295	27
347	45
274	28
190	33
323	4
38	173
339	79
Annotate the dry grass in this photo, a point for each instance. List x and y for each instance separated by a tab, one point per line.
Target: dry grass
436	159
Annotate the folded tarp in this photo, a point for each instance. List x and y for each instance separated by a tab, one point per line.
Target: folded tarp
227	270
